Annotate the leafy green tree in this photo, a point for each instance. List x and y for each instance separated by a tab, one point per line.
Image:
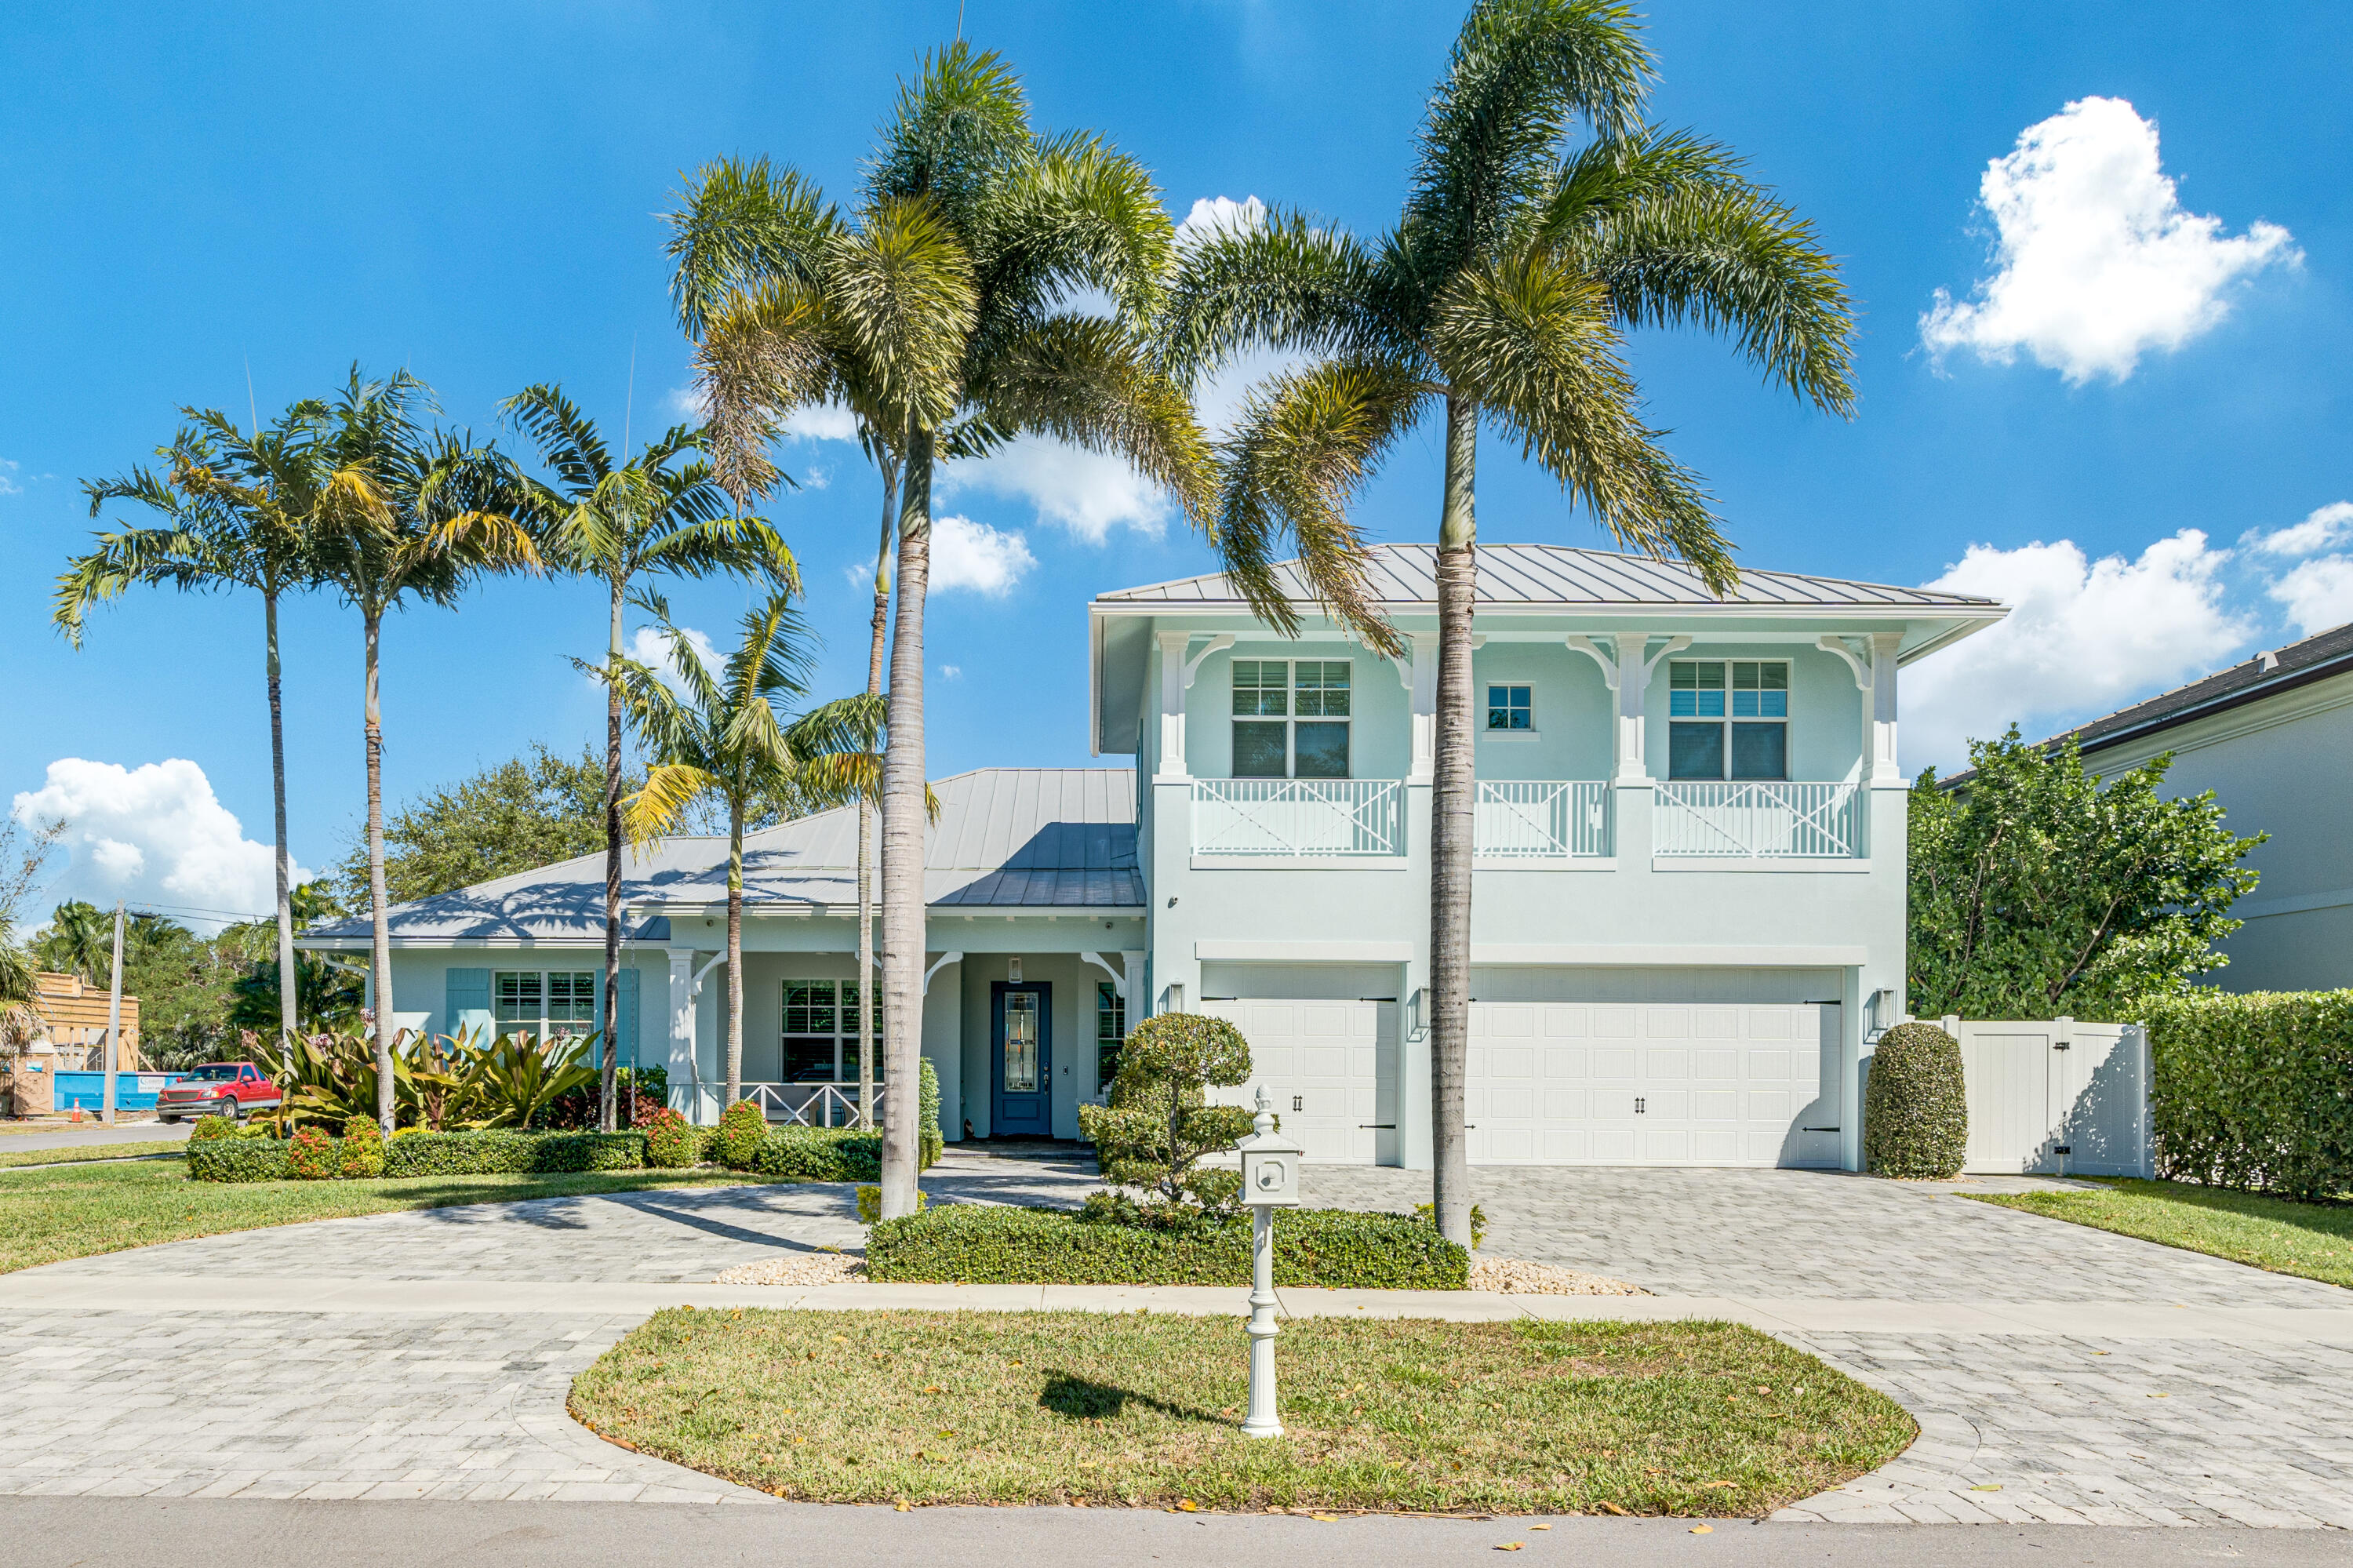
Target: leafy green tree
329	994
2039	890
1501	298
659	512
418	513
728	740
80	940
24	851
521	814
948	303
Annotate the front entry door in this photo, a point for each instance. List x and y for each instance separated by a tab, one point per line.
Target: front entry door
1021	1056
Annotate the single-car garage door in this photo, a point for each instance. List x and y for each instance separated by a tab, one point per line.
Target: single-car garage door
1653	1084
1330	1067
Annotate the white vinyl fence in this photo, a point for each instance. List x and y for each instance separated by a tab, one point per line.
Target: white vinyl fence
2056	1099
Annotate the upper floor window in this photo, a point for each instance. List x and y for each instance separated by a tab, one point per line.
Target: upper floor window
1291	718
1728	718
543	1002
1511	707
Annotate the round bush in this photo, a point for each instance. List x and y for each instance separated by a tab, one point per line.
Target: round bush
363	1148
1916	1115
212	1127
313	1156
1191	1048
671	1142
742	1129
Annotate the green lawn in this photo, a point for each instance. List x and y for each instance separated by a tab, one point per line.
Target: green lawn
2314	1241
89	1151
1131	1409
77	1210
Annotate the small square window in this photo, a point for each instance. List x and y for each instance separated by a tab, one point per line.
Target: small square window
1695	689
1511	707
1260	688
1323	751
1696	750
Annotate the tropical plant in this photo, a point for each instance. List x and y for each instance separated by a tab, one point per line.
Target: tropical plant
80	941
239	510
943	313
24	851
1158	1125
2038	889
725	739
419	513
518	1077
658	512
330	990
1502	297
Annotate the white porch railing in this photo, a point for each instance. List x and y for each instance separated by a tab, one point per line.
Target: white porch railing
793	1105
1757	820
1541	819
1302	817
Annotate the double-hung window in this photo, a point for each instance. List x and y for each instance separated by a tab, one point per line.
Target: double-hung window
1291	718
1111	1033
543	1004
821	1033
1728	718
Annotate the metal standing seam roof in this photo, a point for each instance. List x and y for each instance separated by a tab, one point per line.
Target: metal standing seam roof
1562	574
1006	838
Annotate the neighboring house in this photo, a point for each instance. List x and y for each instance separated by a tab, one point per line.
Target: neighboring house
73	1014
1690	886
2272	737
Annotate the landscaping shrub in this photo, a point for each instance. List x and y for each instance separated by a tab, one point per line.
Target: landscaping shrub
237	1160
927	1104
576	1108
1335	1248
211	1127
362	1151
1157	1125
313	1156
1915	1117
819	1154
2255	1091
673	1143
743	1127
870	1203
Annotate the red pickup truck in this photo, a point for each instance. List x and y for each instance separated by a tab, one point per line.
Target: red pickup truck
232	1089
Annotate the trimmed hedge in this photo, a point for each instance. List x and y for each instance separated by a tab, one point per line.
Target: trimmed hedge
421	1154
820	1154
2255	1091
976	1244
1916	1114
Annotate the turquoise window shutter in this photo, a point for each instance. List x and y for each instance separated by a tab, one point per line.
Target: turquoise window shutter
625	1018
468	1001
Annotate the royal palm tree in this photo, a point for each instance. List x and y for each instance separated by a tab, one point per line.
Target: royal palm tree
953	287
419	514
618	522
728	740
1501	296
239	510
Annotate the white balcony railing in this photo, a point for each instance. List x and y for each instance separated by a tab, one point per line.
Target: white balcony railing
1298	816
1757	820
793	1105
1541	819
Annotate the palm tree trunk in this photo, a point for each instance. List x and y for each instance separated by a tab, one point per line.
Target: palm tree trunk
1452	814
866	810
608	1091
288	997
903	841
735	949
378	905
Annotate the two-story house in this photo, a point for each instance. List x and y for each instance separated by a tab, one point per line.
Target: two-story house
1689	895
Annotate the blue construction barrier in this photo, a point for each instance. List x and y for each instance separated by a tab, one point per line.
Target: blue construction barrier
132	1091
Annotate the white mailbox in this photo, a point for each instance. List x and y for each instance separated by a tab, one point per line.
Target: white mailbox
1270	1163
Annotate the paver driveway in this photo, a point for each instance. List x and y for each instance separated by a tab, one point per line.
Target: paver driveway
2040	1358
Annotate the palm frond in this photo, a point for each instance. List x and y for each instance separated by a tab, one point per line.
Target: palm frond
737	224
567	440
764	351
1286	283
670	790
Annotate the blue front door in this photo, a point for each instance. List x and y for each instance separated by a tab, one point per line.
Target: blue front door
1021	1056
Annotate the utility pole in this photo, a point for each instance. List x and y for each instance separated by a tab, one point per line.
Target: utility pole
113	1019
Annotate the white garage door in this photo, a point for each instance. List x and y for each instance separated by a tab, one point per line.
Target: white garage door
1649	1084
1330	1068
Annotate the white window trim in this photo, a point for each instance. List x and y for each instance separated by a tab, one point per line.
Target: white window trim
538	1027
1727	719
1488	733
1290	718
845	1030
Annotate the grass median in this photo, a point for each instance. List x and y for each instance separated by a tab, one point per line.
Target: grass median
2313	1241
1144	1411
78	1211
82	1153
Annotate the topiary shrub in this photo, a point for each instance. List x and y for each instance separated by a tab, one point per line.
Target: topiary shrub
237	1160
742	1129
362	1148
671	1141
1916	1115
211	1127
1158	1126
820	1154
311	1156
927	1101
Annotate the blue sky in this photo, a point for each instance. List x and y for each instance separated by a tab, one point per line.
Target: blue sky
473	191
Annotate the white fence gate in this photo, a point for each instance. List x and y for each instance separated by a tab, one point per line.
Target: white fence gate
2056	1099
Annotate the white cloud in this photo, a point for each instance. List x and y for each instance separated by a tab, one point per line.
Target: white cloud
8	485
822	422
1089	493
951	672
1221	215
2083	638
969	555
686	403
2325	525
2098	263
154	834
2318	594
650	648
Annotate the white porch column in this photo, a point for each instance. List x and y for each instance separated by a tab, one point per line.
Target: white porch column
1420	674
1131	992
1177	672
1885	771
683	1076
1632	678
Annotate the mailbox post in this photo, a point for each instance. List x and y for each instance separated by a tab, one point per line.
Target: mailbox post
1270	1181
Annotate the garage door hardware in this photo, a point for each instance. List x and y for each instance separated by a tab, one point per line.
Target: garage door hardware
2064	1148
1638	1105
1298	1102
1376	1126
1818	1130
